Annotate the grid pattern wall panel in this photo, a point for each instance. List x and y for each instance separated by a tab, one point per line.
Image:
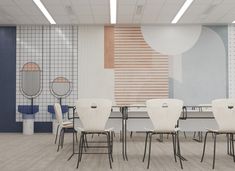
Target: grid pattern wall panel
55	50
231	60
140	72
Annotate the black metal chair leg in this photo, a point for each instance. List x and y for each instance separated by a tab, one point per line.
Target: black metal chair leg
131	134
110	146
80	146
200	136
76	136
174	146
213	166
150	141
204	147
109	150
112	134
230	144
83	145
86	142
228	141
145	145
179	153
185	135
58	146
62	144
125	130
111	157
57	133
80	149
60	137
232	140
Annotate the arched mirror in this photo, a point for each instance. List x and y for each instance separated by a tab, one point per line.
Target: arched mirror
30	80
60	87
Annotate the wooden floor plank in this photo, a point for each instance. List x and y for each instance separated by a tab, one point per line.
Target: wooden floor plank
38	152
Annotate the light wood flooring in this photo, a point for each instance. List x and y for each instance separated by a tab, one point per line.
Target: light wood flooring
38	152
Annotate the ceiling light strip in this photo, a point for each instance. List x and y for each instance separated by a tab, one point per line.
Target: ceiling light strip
182	11
44	11
113	11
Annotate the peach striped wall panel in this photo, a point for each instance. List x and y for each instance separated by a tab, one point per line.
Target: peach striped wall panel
140	72
108	46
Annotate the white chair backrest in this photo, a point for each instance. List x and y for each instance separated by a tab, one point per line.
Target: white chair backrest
164	113
93	113
224	113
58	113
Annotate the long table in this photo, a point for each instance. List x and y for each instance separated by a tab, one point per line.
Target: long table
127	113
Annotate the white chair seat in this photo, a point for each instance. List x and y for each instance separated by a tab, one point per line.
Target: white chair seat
67	126
79	129
67	122
162	131
221	131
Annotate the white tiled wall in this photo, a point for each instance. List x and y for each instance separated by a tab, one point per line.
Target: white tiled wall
55	50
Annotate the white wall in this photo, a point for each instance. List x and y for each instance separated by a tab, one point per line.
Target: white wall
231	61
93	80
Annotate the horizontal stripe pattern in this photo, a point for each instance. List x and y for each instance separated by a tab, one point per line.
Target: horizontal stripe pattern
140	72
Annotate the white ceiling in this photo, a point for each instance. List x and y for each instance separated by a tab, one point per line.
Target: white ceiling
128	11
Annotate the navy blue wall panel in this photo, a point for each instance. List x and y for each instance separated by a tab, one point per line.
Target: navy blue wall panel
8	80
8	85
42	127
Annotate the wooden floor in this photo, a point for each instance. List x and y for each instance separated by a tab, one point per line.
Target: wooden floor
38	152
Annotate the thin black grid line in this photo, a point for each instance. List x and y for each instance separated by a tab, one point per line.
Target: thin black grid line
26	55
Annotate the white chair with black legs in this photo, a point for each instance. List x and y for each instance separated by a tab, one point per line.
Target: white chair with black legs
224	113
164	114
58	125
94	114
62	125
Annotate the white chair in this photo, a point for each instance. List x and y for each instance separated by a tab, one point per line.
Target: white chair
164	114
93	114
224	113
62	125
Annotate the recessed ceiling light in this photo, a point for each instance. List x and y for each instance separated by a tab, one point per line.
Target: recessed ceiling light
113	11
182	11
44	11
